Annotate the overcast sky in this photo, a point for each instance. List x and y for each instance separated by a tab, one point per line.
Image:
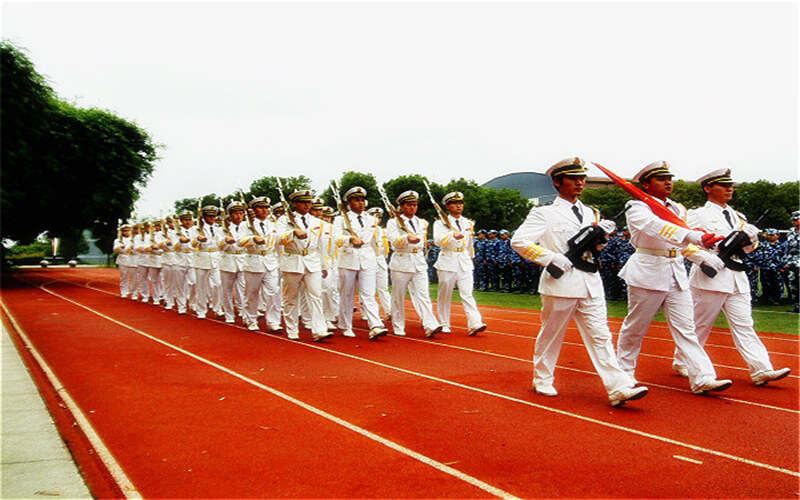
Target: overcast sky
236	92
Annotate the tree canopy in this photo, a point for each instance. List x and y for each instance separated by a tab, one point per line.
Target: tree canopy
65	168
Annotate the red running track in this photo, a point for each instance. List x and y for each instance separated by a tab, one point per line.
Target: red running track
190	408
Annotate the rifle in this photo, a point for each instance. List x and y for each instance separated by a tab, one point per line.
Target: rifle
224	220
587	239
733	246
200	221
442	215
286	207
342	207
119	230
247	212
393	212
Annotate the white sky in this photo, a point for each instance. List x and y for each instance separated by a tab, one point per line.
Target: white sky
240	91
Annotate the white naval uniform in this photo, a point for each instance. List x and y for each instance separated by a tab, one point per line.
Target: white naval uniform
381	245
126	262
155	263
140	247
183	270
576	294
302	262
231	267
455	266
206	259
357	266
168	268
728	291
261	274
409	272
657	279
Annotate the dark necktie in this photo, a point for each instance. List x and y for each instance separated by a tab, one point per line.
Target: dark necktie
671	207
458	225
303	218
360	221
412	225
212	231
578	213
728	218
263	231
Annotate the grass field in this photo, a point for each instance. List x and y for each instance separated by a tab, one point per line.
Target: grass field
776	319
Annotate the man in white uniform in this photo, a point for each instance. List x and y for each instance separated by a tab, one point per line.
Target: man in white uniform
205	240
301	261
454	264
123	247
729	290
155	260
141	248
233	258
184	253
262	281
357	263
169	263
408	266
656	278
577	294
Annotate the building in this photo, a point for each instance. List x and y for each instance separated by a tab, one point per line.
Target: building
537	187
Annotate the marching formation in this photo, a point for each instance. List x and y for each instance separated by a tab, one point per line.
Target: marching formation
302	263
298	264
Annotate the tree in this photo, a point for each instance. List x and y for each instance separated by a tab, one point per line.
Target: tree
610	200
754	198
352	179
65	169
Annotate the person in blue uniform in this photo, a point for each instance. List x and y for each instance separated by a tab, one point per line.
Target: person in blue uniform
491	259
791	262
769	261
433	254
478	269
505	266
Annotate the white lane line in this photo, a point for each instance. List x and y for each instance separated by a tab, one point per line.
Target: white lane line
111	464
530	361
576	416
359	430
687	459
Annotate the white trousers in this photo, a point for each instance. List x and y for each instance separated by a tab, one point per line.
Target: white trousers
708	304
590	317
365	279
313	286
330	294
677	307
141	282
232	289
444	300
382	287
154	277
127	280
417	285
271	296
180	285
169	277
202	290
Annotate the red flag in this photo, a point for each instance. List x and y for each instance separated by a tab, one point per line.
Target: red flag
658	208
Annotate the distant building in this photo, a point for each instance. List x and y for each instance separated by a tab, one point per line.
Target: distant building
537	187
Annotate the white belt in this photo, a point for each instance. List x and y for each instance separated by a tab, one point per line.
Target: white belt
408	250
671	252
454	250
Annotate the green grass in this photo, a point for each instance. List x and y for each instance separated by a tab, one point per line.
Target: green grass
775	319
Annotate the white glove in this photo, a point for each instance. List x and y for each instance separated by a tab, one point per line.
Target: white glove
714	262
561	262
607	225
695	237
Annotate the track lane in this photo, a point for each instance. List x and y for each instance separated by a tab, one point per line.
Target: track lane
140	307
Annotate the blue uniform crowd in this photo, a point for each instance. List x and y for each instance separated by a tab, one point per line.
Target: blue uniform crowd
775	265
